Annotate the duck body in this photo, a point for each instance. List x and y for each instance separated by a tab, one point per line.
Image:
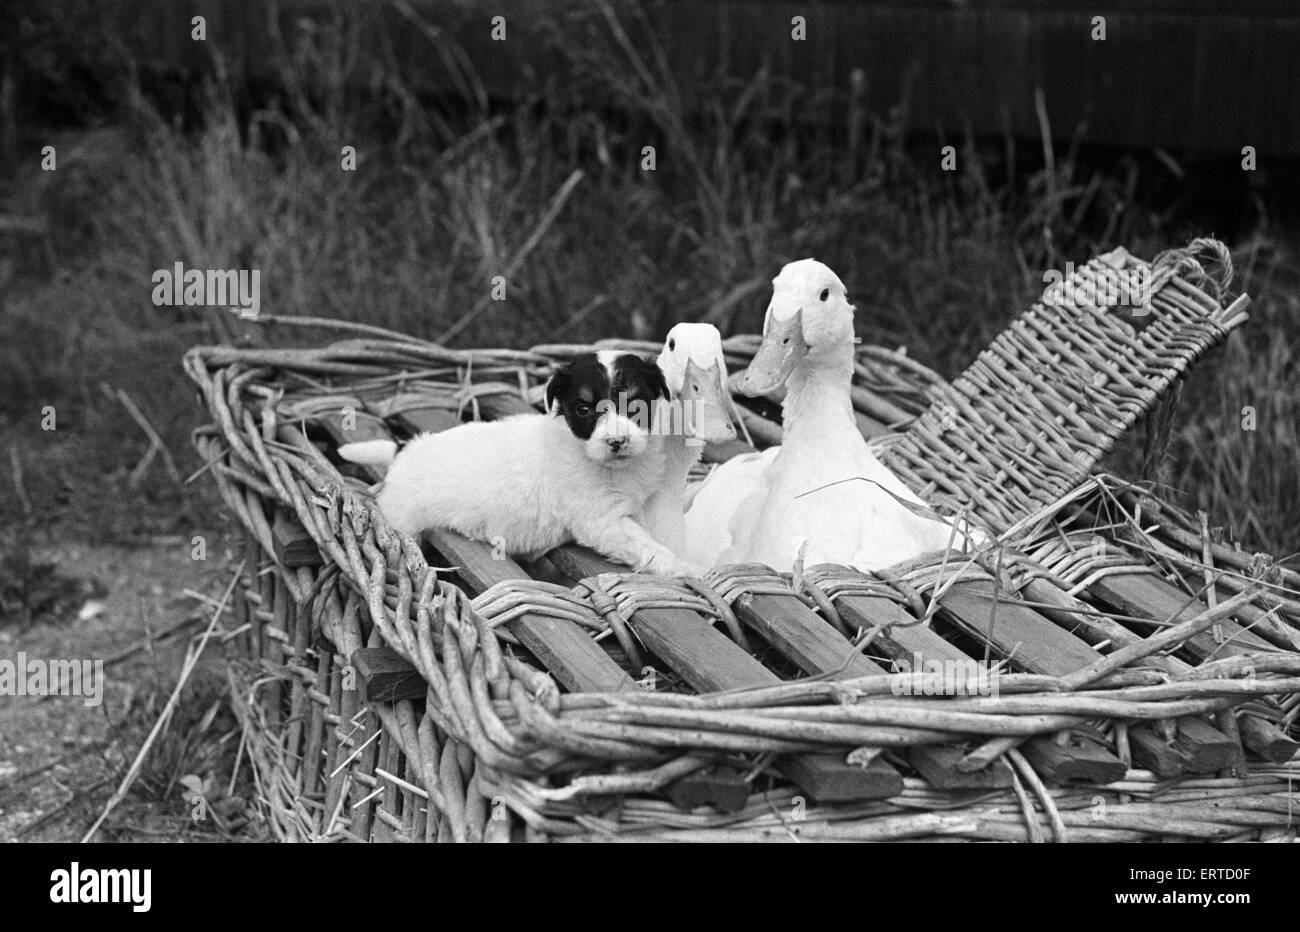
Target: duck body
718	499
822	487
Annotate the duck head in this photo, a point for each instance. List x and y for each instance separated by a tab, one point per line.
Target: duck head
810	317
696	373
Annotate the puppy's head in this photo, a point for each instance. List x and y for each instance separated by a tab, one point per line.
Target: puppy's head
608	400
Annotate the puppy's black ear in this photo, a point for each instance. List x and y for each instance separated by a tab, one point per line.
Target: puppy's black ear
655	382
558	383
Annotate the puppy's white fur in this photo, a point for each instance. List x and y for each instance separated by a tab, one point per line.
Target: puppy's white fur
369	452
526	483
615	425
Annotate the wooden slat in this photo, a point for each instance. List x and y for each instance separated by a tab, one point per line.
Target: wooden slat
1266	739
429	420
386	676
1146	596
722	787
1207	750
414	411
1082	757
1088	623
710	662
829	778
561	646
581	664
497	405
1142	595
361	426
1197	747
903	641
811	642
1148	747
1038	645
915	644
707	659
364	426
294	547
802	635
1017	631
938	765
1151	752
817	648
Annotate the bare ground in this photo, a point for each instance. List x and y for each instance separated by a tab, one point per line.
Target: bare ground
61	758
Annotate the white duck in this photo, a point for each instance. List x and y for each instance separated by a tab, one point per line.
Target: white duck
700	413
763	507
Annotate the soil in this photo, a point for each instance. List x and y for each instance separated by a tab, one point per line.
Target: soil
63	756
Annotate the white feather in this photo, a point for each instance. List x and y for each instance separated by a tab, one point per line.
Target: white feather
811	489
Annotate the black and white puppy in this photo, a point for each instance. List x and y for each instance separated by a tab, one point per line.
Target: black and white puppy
609	401
581	472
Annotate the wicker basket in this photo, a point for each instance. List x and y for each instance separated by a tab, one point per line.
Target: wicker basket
1108	671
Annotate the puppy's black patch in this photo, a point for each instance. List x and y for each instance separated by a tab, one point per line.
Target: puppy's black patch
578	387
583	389
638	383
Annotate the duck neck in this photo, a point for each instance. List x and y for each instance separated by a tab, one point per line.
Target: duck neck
817	395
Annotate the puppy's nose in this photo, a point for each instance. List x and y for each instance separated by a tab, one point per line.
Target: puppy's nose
616	443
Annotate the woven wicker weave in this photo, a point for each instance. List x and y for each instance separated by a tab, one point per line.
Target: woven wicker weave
1136	648
1029	419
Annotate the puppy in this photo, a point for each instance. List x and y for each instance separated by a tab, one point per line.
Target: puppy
581	472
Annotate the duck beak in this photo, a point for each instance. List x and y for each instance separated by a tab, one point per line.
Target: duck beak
782	348
705	407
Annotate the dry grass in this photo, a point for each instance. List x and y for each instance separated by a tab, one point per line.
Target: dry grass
445	199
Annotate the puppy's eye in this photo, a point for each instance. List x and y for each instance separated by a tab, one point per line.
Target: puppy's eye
672	345
826	293
582	410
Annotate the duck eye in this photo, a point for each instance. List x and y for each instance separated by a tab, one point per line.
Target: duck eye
826	293
672	345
